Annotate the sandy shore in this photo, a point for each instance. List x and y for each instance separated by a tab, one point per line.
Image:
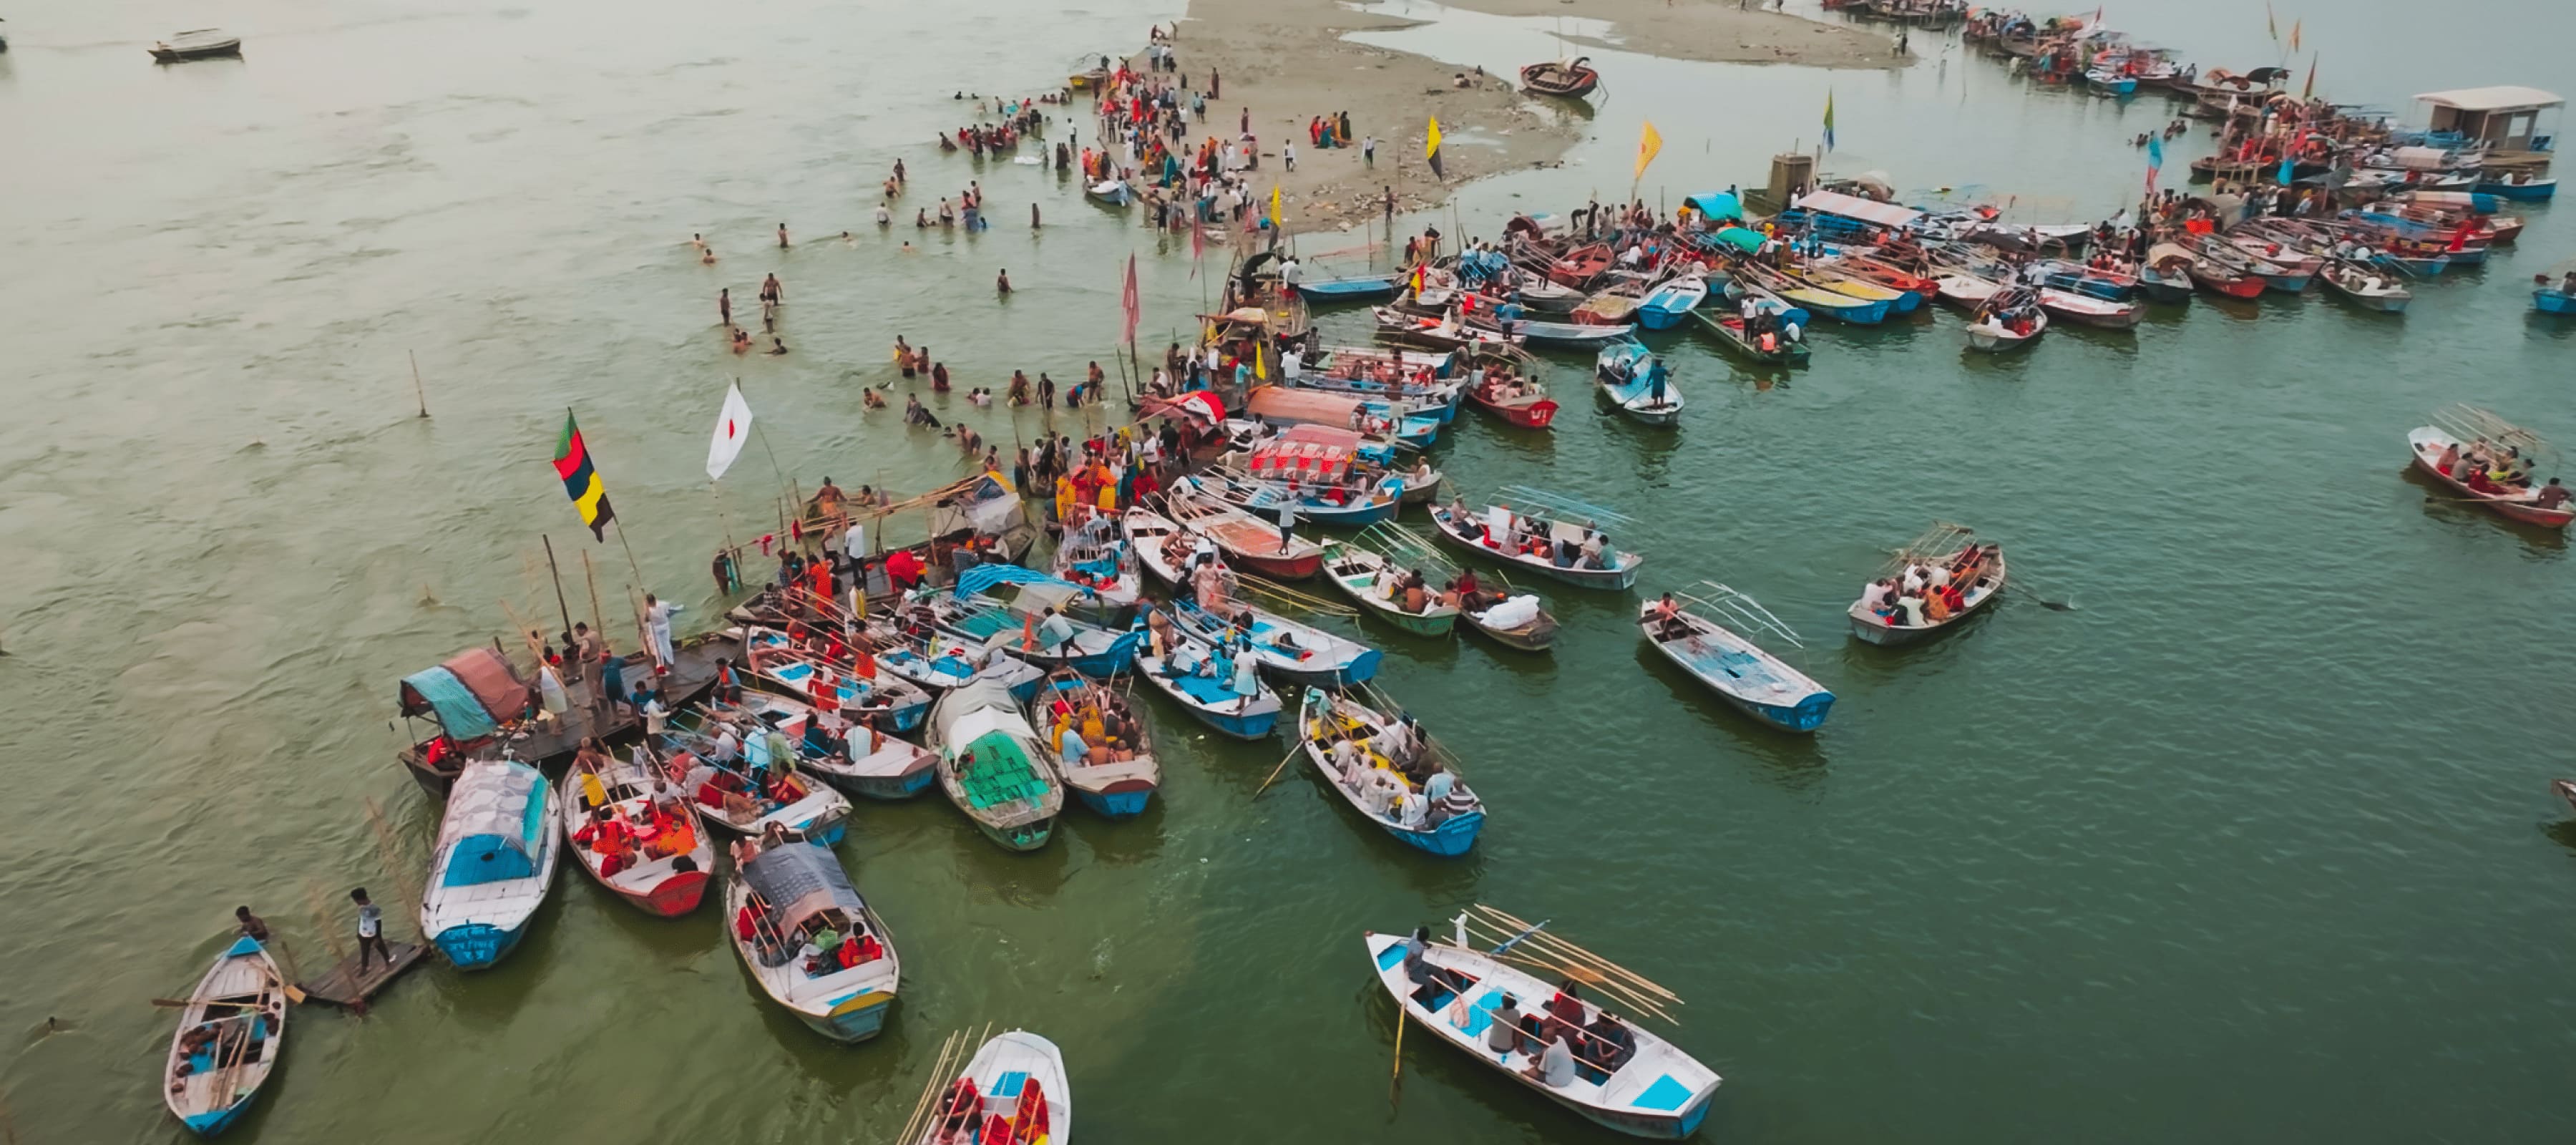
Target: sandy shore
1714	30
1285	62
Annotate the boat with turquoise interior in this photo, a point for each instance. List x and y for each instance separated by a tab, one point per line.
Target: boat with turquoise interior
231	1035
493	862
1026	609
1223	691
1697	631
993	768
809	940
1103	748
853	683
1288	650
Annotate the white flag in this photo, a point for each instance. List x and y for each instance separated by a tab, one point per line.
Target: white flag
732	426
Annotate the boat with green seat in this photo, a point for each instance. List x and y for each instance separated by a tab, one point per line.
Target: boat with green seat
992	767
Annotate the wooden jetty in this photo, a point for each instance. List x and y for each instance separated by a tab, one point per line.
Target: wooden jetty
344	986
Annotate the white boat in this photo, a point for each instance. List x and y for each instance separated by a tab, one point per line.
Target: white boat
993	768
1635	380
197	44
2366	287
867	762
1372	580
1375	782
778	905
230	1037
816	679
725	792
665	875
1195	677
1935	555
1534	530
1162	547
493	863
1012	1091
2009	320
1094	556
1655	1091
1730	664
1290	651
1115	776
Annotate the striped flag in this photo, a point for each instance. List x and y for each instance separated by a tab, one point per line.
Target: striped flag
2294	33
1431	148
581	482
1129	306
1829	119
2309	92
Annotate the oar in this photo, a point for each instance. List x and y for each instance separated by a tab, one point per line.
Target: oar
1283	766
182	1004
1395	1079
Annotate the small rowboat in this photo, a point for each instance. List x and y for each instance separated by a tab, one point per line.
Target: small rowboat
1572	79
2460	427
230	1037
1111	193
1946	548
1514	399
1519	621
1011	605
1353	289
1219	698
898	702
1334	503
665	875
2365	288
1960	288
1838	306
2166	277
782	900
1611	307
1635	380
1247	541
1375	784
493	863
2010	320
1535	536
1578	267
1162	547
1667	305
1013	1092
2086	310
917	652
199	44
1366	577
2213	269
1115	778
1094	556
1781	349
1434	333
1290	651
2111	82
992	767
2520	189
725	793
1568	333
1729	663
1656	1090
864	761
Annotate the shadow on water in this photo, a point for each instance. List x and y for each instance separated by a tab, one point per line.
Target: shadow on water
2010	365
1796	762
492	999
1013	878
2562	832
1118	842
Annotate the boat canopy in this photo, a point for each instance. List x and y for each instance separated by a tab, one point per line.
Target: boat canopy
1278	403
1743	239
799	881
496	815
2485	99
1855	207
1306	452
469	694
1196	404
1716	205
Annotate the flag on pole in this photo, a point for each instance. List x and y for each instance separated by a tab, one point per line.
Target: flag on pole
2294	33
2271	23
1274	207
581	482
1128	305
1648	143
1829	119
2310	91
733	428
1431	148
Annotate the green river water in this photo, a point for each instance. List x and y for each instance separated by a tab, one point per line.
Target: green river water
2255	844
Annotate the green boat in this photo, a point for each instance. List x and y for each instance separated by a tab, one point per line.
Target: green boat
1356	571
1730	333
993	768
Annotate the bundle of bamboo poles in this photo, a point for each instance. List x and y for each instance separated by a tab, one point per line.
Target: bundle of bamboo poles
1392	709
1281	594
954	1052
1531	947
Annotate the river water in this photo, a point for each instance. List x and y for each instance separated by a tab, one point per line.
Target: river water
2255	842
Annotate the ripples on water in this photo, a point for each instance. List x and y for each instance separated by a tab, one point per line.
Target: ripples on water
2258	836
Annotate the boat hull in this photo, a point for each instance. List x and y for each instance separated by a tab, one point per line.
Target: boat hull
2553	302
1283	568
854	1020
884	788
2532	192
1360	670
2509	510
478	945
670	898
1119	801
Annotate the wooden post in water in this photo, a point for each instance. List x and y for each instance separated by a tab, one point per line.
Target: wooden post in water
416	388
557	575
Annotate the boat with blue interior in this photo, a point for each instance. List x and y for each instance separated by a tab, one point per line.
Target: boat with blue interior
1222	690
1102	746
1668	305
1387	768
1012	1092
741	772
493	862
825	671
231	1035
1636	380
809	940
1548	534
1025	611
1288	650
993	768
1699	632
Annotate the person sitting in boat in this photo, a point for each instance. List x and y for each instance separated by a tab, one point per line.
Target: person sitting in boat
1607	1043
2551	496
1668	621
1504	1036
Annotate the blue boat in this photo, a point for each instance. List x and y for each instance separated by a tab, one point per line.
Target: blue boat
1296	653
1351	289
1369	773
1688	631
230	1038
890	696
2531	191
1668	305
2553	301
493	863
2114	83
1635	379
978	611
1223	692
1116	776
1262	498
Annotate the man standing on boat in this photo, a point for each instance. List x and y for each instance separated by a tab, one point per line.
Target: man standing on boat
657	619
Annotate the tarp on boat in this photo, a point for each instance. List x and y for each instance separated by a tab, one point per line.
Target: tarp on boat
1855	207
1716	205
496	815
1305	452
1744	239
800	880
1198	404
985	576
469	694
1302	407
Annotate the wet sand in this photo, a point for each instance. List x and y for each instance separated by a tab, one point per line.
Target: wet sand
1715	30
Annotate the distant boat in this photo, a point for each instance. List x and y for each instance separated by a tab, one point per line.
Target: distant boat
1351	289
200	44
230	1037
2461	427
1634	379
1572	79
2525	190
2364	288
1363	575
1288	650
493	862
1110	193
1533	527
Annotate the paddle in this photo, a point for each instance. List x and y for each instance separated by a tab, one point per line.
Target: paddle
1283	766
1395	1079
182	1004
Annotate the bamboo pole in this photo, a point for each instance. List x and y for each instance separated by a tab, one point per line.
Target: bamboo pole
1544	940
1395	1078
389	851
1283	764
416	388
322	923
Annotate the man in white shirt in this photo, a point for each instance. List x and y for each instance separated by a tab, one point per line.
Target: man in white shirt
1290	273
1290	362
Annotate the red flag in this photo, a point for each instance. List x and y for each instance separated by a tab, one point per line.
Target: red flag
1198	248
1127	300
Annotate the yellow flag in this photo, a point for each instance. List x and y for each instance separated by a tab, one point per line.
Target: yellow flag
1431	148
2294	33
1260	369
1274	206
1647	144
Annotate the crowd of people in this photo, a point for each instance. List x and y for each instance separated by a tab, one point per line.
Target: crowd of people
1929	593
2498	471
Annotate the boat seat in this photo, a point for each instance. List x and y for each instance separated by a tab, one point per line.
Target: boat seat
1008	1085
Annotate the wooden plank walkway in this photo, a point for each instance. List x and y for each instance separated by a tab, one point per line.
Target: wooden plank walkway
343	986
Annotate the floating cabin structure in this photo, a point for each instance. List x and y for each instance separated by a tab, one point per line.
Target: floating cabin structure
2513	123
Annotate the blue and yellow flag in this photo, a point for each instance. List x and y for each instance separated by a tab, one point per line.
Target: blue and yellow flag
581	482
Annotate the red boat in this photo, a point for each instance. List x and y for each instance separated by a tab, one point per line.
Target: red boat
1516	401
664	874
1580	266
2429	444
1248	542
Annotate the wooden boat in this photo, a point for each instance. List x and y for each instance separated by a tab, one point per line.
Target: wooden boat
1947	549
1111	774
728	793
2010	320
1840	307
895	701
199	44
1781	350
1112	193
2365	288
1288	650
2110	82
1429	332
1635	380
1246	540
2168	279
2464	427
779	903
1612	307
664	875
1656	1091
993	768
1095	556
229	1040
910	645
1666	306
1327	501
493	862
1025	611
1513	397
1233	702
1517	620
1543	521
1573	78
856	759
2551	293
1162	547
2520	188
1576	269
2217	274
2086	310
1730	663
1376	785
1567	333
479	704
1013	1092
1963	289
1367	576
1825	275
1351	289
